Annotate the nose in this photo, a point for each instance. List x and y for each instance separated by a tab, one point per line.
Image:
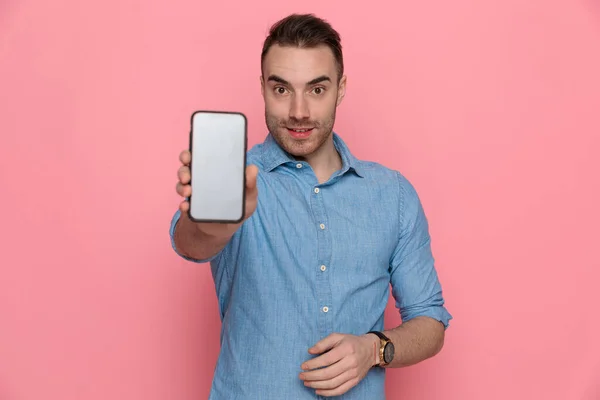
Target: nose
299	108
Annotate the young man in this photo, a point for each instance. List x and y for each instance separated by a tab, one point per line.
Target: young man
303	281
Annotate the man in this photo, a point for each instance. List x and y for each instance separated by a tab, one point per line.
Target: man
303	281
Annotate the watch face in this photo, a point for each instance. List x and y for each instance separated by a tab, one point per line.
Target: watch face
388	353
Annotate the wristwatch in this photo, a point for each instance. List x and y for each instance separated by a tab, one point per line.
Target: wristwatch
386	349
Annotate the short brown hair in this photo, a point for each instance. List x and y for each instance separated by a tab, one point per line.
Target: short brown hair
305	31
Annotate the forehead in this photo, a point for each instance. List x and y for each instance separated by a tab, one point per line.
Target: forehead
299	65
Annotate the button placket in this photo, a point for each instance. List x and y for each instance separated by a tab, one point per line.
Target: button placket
322	279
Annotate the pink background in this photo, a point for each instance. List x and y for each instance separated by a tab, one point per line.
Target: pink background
492	109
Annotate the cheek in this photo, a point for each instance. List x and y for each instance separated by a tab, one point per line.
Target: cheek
276	106
322	108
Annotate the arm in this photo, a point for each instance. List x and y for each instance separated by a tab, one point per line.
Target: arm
415	287
414	341
194	243
350	357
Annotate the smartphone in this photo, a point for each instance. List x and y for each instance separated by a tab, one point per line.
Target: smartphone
218	144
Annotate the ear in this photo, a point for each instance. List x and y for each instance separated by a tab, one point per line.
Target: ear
341	90
262	86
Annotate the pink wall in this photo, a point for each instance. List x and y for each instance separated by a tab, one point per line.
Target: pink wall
490	108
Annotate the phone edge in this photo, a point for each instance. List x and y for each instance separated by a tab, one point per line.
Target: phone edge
190	145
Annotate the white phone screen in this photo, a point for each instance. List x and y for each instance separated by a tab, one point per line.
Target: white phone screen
218	166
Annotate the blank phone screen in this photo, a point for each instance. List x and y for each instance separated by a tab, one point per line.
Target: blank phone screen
218	147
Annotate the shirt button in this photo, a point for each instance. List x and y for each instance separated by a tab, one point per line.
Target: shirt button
298	165
316	190
325	309
322	226
323	268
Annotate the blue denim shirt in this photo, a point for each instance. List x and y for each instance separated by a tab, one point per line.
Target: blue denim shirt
312	260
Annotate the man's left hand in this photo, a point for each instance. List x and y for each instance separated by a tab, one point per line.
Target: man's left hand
347	361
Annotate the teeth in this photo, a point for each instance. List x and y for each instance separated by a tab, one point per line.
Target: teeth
300	130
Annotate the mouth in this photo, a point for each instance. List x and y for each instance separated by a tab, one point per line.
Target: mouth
300	133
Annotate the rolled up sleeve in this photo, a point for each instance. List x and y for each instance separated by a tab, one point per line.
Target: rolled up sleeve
415	284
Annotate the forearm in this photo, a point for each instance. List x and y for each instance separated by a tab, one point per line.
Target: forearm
192	242
415	340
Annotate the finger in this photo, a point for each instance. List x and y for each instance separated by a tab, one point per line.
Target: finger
332	383
251	175
184	206
185	157
324	360
343	388
326	343
183	173
183	190
330	372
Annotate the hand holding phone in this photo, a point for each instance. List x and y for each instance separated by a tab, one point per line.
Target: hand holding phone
219	190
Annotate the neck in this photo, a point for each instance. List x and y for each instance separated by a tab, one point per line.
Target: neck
325	161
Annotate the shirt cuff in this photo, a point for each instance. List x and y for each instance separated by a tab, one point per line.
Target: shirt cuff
172	234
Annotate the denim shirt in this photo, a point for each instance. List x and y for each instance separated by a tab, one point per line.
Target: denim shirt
312	260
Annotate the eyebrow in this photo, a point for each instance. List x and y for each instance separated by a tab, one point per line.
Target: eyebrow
322	78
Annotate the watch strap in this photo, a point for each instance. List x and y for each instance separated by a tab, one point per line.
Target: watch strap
384	340
380	335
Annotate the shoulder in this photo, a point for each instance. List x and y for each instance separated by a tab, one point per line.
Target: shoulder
375	171
393	181
372	170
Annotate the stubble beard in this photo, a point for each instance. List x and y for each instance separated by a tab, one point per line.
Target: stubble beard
323	129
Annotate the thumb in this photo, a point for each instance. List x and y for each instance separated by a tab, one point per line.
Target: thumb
251	174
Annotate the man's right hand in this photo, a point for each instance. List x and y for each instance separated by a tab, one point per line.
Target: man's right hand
184	189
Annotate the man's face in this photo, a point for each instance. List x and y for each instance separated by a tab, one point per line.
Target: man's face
301	92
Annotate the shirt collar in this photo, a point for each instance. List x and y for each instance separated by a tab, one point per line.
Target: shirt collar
273	155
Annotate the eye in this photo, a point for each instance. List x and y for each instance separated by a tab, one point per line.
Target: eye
280	90
318	90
